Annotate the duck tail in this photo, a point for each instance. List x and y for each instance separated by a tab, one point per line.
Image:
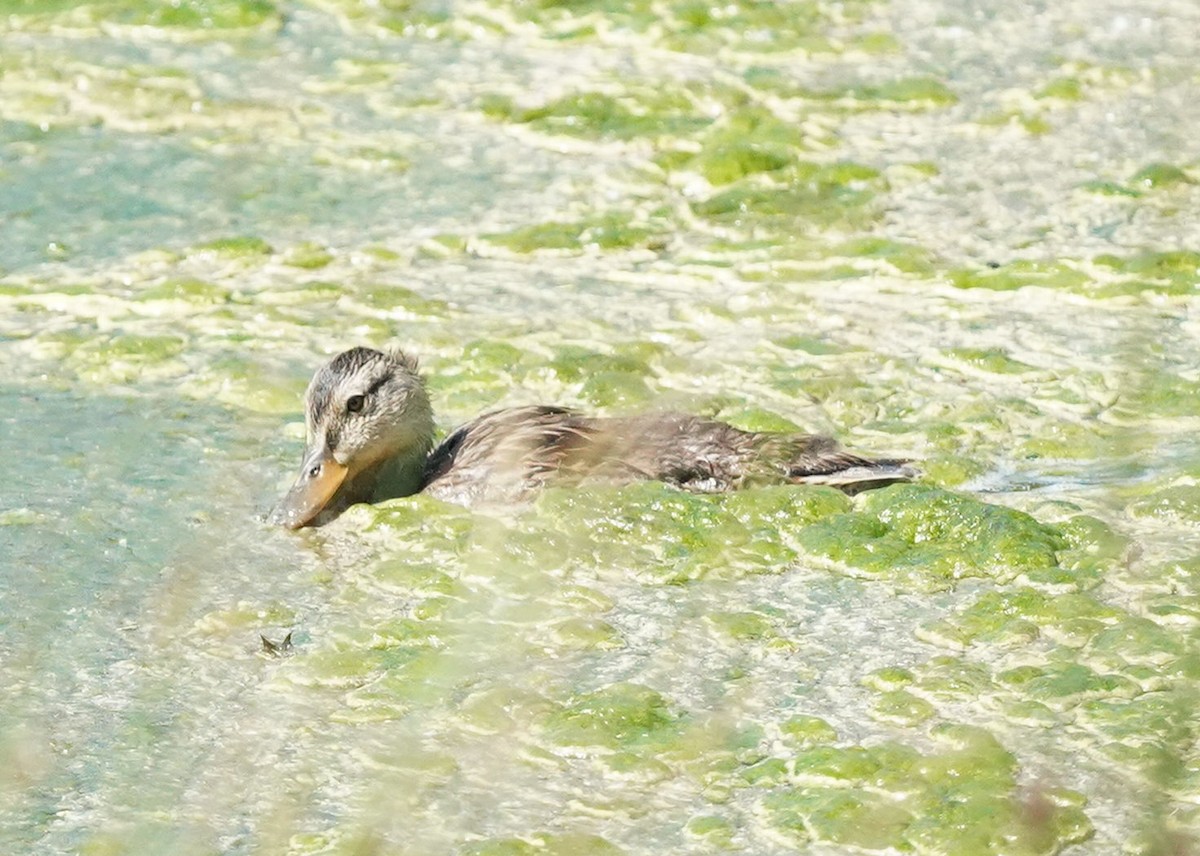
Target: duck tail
852	474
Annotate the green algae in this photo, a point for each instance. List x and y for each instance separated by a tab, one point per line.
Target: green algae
544	844
1063	89
759	420
768	773
713	830
132	347
888	679
1163	394
823	195
632	767
336	669
1137	641
245	382
656	113
504	847
951	470
585	599
416	578
636	15
619	716
886	797
901	708
832	765
389	297
1069	685
443	247
543	236
1158	722
903	257
196	15
307	256
949	678
730	162
837	816
616	389
808	344
1109	188
1159	175
920	536
916	93
129	357
742	626
503	709
924	91
1056	275
1014	616
609	232
575	364
240	246
1092	543
768	27
1075	441
1177	502
587	634
395	17
675	536
994	360
1168	268
785	509
692	27
492	356
212	14
804	732
195	291
244	615
960	799
435	527
744	142
1034	122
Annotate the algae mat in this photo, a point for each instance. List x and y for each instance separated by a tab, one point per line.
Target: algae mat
962	232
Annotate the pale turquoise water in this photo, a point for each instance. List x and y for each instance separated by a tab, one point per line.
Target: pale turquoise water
775	217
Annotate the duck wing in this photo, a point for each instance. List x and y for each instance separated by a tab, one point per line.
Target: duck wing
707	456
847	471
505	454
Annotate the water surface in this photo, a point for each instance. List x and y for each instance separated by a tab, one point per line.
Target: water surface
963	232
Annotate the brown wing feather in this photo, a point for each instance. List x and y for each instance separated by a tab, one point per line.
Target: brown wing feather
506	454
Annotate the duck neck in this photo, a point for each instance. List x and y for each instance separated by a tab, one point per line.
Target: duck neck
399	475
399	471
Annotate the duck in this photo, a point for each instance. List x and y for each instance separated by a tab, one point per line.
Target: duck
370	437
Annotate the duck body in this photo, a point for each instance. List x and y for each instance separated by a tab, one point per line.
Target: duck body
370	431
510	454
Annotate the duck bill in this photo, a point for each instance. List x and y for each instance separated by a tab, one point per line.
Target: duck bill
320	478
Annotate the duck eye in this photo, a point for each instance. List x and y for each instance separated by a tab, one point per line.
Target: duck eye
355	403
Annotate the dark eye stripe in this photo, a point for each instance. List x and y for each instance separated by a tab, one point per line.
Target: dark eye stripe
378	383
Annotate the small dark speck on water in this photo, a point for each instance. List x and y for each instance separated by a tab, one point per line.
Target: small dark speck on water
276	649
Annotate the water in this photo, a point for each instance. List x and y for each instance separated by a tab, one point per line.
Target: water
194	218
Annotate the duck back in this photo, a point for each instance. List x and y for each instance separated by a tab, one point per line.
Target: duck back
507	454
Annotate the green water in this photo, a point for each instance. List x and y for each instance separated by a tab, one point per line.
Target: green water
960	232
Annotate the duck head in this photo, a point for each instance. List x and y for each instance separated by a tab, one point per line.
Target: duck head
366	412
